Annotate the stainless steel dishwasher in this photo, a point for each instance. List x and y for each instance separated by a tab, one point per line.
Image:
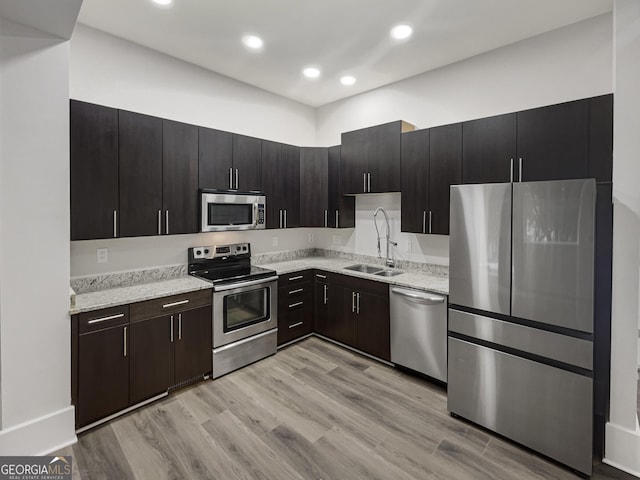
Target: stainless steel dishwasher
419	331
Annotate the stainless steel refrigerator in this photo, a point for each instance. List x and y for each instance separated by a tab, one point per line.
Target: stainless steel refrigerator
520	334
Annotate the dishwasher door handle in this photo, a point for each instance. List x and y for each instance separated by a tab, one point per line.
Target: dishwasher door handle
426	298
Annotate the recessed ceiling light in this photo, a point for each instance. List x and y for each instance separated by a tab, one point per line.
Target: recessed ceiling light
311	72
163	3
400	32
252	42
348	80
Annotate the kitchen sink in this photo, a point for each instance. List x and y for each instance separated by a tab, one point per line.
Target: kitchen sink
388	273
364	268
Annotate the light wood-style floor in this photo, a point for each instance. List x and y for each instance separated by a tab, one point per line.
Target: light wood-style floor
313	411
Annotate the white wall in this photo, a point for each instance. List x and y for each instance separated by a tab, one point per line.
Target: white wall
114	72
34	243
622	434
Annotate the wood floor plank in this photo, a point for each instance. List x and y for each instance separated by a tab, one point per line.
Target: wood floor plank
202	402
336	354
100	456
68	451
294	358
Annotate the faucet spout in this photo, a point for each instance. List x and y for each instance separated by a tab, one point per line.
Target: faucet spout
388	261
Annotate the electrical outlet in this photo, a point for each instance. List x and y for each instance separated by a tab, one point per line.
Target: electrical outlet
311	238
274	241
337	239
102	255
408	245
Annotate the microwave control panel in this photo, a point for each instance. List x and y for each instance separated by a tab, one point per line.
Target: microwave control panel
260	219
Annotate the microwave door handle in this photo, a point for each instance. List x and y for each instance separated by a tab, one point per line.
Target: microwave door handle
255	214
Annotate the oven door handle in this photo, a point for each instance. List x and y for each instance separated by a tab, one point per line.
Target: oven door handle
233	286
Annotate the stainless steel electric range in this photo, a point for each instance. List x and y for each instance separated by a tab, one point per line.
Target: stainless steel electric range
245	304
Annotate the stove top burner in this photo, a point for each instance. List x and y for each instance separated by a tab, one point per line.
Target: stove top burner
243	273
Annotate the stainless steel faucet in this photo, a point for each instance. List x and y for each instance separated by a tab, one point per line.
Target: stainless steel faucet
388	261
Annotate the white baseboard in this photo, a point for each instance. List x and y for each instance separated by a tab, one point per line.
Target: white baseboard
40	436
622	449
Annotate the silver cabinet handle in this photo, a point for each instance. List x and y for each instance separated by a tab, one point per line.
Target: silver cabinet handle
358	303
230	178
353	302
171	332
179	326
369	182
337	224
511	174
297	324
320	276
296	291
159	222
326	218
280	214
326	287
424	221
236	179
520	169
430	218
125	341
285	218
104	319
364	182
175	304
115	224
298	277
432	299
166	220
297	304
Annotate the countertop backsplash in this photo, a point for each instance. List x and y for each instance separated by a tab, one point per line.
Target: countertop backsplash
94	283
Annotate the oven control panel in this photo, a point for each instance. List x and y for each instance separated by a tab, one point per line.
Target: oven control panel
218	251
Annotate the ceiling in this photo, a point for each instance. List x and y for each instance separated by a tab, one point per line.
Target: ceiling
339	36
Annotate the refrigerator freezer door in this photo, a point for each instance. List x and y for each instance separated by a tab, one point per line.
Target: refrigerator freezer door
480	247
553	252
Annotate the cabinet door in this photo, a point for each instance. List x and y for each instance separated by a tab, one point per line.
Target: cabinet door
553	142
290	189
103	373
384	157
272	183
373	325
314	187
94	170
445	169
193	344
247	163
180	177
323	312
345	325
601	138
415	179
152	357
215	159
356	149
489	149
140	149
341	209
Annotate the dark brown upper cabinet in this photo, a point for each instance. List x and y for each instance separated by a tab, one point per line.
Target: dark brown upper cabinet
94	171
371	158
553	142
140	152
281	184
215	159
601	138
489	149
431	163
342	209
314	187
247	163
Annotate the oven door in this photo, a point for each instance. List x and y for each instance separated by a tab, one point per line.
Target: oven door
225	211
244	309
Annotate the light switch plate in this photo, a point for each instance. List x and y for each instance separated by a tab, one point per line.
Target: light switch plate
274	241
102	255
408	245
310	238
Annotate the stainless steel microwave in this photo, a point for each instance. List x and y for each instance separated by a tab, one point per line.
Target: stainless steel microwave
231	210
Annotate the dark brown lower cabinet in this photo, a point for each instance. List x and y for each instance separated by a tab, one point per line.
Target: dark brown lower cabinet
295	311
193	344
373	325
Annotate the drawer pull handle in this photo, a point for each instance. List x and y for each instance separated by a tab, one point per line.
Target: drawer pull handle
296	324
297	304
296	291
320	276
125	341
175	304
296	278
104	319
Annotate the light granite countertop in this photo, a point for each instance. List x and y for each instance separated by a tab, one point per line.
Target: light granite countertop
409	278
112	297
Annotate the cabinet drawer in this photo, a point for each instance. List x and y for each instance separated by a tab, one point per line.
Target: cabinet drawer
100	319
169	305
362	284
295	319
325	277
294	293
284	281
